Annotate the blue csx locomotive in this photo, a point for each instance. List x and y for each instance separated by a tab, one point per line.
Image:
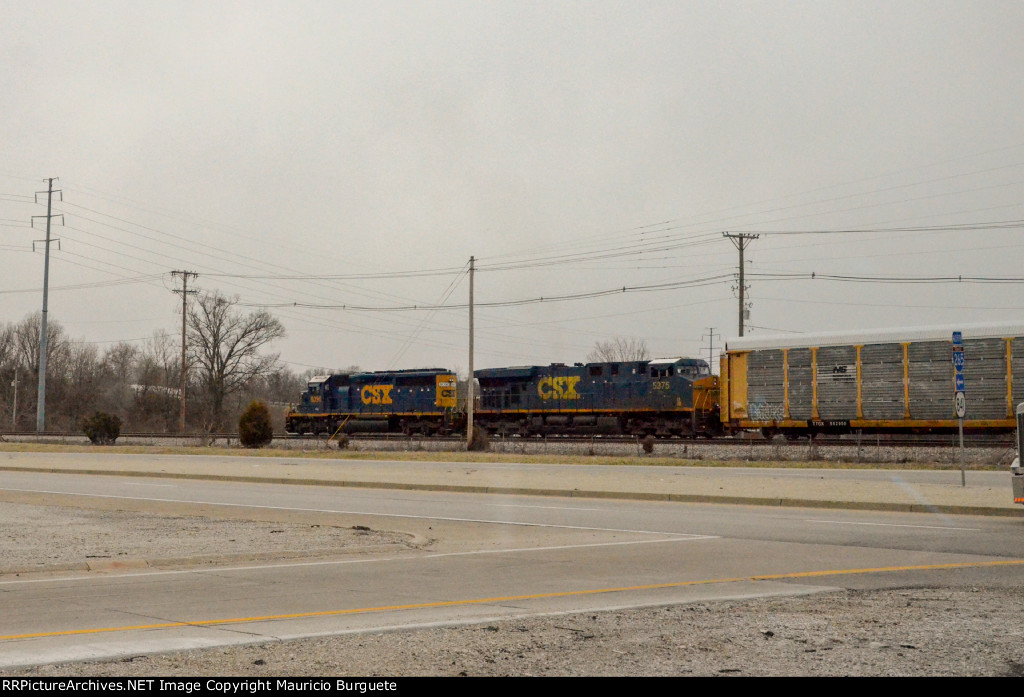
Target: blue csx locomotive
666	397
401	401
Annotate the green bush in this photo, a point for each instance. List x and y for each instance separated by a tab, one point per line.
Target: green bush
254	427
102	428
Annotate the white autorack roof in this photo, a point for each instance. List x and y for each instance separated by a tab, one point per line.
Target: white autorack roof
876	336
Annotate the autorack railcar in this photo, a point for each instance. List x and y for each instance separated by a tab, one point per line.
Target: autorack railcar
891	380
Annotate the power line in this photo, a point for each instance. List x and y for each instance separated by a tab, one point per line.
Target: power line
85	286
815	276
956	227
721	278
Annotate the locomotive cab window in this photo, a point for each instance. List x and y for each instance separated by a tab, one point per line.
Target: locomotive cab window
596	371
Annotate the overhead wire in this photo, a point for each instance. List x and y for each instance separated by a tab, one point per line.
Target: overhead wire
581	257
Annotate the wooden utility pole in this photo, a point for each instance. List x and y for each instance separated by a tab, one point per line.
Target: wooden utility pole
741	241
185	292
469	396
14	412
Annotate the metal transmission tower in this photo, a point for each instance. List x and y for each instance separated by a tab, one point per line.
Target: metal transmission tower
41	403
711	346
741	241
185	292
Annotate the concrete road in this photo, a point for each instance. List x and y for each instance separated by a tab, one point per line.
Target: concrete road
482	556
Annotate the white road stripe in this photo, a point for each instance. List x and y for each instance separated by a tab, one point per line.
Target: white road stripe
339	562
891	525
340	512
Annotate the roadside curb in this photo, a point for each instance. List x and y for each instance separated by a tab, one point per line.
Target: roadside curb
558	493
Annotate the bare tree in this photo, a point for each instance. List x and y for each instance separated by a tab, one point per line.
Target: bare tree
224	349
25	339
156	398
159	362
26	342
8	375
620	348
6	345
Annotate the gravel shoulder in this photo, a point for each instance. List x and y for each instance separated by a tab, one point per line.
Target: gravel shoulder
916	630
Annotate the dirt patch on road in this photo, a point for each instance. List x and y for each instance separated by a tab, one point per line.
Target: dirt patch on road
47	538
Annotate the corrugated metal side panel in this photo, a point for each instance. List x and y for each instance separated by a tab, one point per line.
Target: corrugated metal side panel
882	381
765	393
837	382
984	378
931	380
738	385
800	388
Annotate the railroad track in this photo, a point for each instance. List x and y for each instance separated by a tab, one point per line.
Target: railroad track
899	441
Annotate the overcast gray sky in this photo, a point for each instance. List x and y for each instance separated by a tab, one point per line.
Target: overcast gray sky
299	152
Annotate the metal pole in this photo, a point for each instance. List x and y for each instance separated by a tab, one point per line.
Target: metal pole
41	402
963	476
711	347
184	315
469	391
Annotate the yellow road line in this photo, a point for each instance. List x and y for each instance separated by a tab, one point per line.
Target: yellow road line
510	598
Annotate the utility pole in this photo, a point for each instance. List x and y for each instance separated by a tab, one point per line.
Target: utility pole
14	412
41	402
469	395
185	292
741	241
711	346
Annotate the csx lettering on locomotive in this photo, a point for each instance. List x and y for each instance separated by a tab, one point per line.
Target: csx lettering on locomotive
558	388
376	394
